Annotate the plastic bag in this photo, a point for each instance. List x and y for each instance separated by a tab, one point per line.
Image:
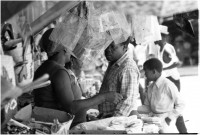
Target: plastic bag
70	29
89	50
145	29
116	23
90	47
103	27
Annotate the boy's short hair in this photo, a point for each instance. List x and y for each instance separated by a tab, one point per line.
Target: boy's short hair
153	64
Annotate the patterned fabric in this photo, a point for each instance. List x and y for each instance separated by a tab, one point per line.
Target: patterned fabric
122	77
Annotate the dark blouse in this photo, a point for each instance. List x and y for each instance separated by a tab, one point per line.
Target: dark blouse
46	97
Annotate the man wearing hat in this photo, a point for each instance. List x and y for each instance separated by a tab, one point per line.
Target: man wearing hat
122	76
61	93
167	55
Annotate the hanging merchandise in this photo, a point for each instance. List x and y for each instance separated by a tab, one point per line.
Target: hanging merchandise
37	54
24	69
91	41
104	26
11	46
90	47
70	29
116	23
22	53
7	70
7	37
145	29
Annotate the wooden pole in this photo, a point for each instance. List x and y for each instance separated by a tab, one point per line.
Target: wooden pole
51	15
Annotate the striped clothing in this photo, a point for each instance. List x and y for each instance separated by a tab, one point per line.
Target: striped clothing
122	77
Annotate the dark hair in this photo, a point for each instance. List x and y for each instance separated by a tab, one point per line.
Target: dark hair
45	42
153	64
68	65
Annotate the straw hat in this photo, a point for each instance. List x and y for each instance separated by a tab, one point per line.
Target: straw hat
164	29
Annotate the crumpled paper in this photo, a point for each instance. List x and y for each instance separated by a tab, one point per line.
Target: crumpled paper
103	27
116	23
70	29
145	29
129	124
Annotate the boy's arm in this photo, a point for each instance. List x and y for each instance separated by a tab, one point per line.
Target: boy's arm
174	65
178	103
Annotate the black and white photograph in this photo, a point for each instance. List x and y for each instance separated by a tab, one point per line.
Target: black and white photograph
100	67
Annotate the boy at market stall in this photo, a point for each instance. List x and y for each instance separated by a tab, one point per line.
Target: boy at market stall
167	55
163	98
63	93
122	76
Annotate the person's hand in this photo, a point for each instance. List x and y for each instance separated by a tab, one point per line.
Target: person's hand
151	114
135	112
168	120
113	97
91	117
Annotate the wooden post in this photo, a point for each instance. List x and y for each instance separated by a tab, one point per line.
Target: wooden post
51	15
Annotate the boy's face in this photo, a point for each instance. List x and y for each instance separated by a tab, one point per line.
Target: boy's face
150	74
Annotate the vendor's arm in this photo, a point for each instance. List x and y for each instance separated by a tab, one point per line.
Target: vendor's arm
174	65
178	103
62	84
146	100
130	91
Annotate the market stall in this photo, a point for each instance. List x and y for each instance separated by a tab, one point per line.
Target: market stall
87	28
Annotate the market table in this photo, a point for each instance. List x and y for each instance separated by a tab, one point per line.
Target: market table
115	125
112	125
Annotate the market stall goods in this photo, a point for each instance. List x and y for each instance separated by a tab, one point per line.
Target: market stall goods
18	130
30	125
118	124
145	29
